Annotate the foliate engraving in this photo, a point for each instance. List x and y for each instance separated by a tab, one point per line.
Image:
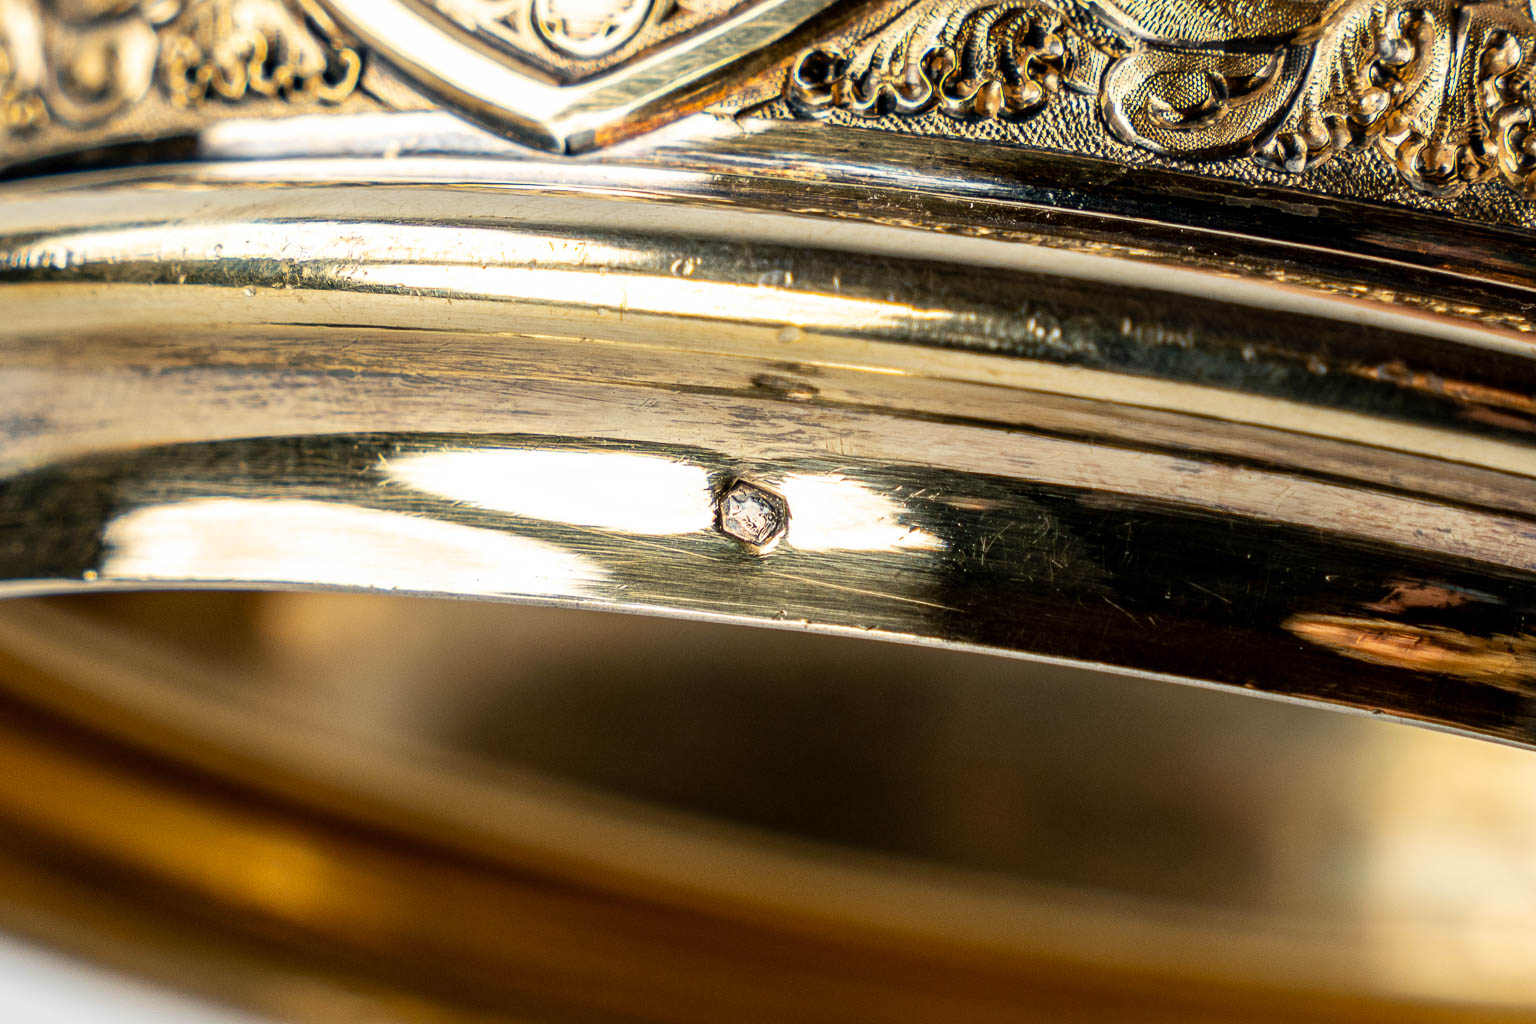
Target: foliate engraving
574	39
968	58
227	49
81	62
1441	87
589	28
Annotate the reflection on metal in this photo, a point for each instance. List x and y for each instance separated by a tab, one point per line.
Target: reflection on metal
612	490
1183	421
277	541
795	817
977	442
559	93
1508	662
834	513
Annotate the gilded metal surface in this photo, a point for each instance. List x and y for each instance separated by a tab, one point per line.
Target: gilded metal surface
521	394
545	95
330	806
1439	88
1418	104
571	39
83	72
1180	339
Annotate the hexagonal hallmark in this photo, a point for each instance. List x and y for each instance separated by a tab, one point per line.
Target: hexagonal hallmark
568	75
752	515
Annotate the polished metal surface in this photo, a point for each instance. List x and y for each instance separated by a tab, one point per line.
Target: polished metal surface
1015	360
327	806
674	78
513	392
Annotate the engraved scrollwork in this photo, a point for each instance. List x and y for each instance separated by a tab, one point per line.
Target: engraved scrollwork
21	67
586	30
1441	87
229	48
81	62
1451	137
1198	103
966	58
574	37
1516	142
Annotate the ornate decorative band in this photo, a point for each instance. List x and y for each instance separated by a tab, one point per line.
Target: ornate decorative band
1439	89
80	63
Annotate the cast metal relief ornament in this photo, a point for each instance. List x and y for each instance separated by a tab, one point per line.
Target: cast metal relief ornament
80	62
1441	87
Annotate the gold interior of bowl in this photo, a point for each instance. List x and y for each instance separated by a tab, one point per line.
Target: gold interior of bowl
474	808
